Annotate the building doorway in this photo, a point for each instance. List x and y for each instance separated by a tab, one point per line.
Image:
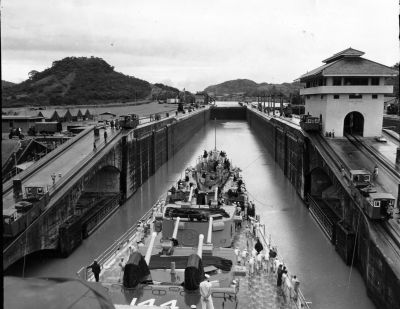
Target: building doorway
354	124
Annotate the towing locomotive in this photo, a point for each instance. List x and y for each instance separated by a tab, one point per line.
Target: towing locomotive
376	205
130	121
309	123
19	216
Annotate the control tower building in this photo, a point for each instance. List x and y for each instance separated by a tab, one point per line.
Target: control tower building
348	93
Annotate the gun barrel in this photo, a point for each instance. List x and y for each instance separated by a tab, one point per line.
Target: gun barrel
210	224
175	233
150	248
191	194
200	247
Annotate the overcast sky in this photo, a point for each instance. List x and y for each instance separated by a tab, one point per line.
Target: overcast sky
195	44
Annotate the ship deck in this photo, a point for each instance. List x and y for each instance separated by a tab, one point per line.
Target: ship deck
258	290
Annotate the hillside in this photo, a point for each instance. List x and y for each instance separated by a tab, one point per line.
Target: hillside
6	84
163	92
73	81
232	87
249	88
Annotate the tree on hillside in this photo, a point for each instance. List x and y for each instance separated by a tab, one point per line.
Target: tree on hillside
32	74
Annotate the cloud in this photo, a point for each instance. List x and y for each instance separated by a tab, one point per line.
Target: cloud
196	43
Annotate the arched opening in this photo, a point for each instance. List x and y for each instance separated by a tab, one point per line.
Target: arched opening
354	124
100	197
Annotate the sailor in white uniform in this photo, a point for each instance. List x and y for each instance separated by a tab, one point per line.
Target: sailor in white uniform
205	292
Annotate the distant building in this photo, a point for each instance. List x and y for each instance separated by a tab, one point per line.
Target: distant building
17	155
200	98
87	115
389	101
78	116
348	93
107	116
65	115
23	122
174	100
50	115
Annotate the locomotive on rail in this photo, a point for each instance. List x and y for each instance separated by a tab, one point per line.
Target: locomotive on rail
376	205
19	216
310	124
130	121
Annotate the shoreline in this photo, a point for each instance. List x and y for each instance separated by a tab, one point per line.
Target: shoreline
132	103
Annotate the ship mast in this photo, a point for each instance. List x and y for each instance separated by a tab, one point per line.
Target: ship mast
215	134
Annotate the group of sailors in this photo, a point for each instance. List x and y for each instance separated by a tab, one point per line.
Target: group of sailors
213	161
262	262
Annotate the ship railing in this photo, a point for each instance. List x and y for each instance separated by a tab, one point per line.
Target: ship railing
299	301
121	243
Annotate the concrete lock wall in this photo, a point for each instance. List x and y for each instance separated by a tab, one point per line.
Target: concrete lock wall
301	163
140	153
43	233
285	144
147	151
105	180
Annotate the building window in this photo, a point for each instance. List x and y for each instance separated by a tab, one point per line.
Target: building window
355	96
321	81
356	81
336	96
375	81
374	96
337	81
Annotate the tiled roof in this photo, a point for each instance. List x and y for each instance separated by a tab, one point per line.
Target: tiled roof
62	112
349	52
8	147
315	71
351	66
74	111
359	66
48	113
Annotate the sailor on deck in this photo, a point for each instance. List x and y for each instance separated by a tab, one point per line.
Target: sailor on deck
237	253
251	265
205	292
140	233
244	256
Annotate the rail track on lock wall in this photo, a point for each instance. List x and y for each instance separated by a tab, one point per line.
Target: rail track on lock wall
389	235
376	155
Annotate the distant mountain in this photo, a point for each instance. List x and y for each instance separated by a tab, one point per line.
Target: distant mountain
249	88
163	92
6	84
75	80
232	87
